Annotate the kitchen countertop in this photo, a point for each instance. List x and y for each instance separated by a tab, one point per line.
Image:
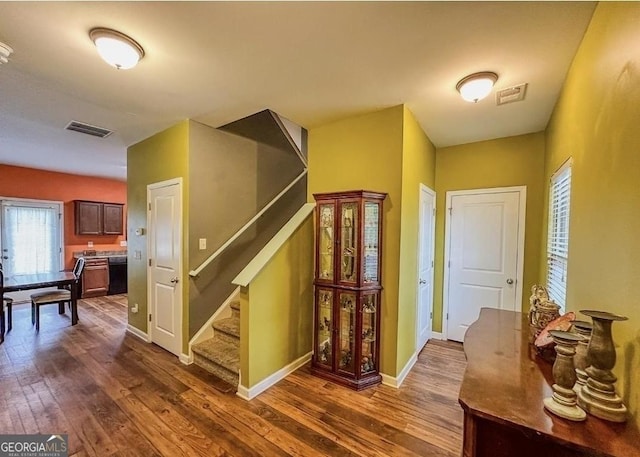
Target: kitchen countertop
100	254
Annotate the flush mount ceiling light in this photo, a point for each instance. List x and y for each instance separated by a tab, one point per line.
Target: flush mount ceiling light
115	48
5	52
476	86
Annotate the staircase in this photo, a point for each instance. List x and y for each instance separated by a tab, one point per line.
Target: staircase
220	355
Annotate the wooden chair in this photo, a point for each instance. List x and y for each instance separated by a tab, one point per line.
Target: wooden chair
8	303
60	296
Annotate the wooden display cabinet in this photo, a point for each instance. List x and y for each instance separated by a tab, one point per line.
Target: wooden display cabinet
347	288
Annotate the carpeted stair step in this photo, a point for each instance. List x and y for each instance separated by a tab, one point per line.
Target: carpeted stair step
235	308
227	329
219	357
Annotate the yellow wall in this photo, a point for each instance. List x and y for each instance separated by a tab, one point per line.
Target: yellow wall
278	308
512	161
596	121
418	167
365	152
158	158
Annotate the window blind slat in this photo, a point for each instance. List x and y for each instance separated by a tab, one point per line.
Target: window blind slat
558	235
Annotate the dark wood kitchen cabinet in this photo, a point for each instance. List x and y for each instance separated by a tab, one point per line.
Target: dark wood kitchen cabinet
95	277
98	218
112	219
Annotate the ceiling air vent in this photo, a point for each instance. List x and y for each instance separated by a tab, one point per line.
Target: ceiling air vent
88	129
511	94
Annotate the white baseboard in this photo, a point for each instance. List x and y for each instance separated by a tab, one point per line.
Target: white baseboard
186	359
252	392
397	381
206	331
139	333
437	336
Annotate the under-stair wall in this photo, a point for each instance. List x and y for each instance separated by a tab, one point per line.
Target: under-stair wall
276	307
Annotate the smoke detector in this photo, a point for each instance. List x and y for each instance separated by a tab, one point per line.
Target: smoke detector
5	52
511	94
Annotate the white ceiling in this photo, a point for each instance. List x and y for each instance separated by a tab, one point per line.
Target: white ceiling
312	62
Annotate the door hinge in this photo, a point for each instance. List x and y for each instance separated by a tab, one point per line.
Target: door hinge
59	215
149	262
449	264
447	316
432	264
149	206
149	317
450	211
434	211
430	315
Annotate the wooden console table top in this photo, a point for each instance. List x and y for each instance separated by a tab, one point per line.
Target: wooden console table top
505	383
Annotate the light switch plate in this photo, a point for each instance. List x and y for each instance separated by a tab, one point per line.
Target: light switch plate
203	244
123	243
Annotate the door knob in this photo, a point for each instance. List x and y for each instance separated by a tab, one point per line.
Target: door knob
422	281
509	281
174	280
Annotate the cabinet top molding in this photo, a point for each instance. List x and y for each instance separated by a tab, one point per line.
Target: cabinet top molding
351	193
95	201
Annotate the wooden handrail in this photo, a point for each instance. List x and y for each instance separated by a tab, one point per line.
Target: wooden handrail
219	251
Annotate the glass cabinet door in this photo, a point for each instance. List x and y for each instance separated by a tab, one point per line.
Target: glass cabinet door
324	349
348	242
345	332
370	242
369	358
325	242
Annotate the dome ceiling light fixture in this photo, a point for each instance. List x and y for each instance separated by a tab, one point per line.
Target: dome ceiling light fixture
5	52
116	48
476	86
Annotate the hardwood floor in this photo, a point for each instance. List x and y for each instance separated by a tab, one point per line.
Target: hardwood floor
117	396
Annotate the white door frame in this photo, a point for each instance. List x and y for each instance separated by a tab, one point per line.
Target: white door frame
431	192
150	187
522	190
23	296
36	202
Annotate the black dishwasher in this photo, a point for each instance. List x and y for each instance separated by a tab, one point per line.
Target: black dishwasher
117	275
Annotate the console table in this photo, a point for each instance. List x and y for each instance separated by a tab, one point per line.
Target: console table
502	392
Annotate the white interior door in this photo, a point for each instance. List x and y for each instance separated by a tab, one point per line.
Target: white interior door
485	250
425	265
165	254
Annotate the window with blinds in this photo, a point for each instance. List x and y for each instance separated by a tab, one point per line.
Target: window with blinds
558	238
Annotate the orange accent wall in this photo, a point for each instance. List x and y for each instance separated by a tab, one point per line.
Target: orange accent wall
20	182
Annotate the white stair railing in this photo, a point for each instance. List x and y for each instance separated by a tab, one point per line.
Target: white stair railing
212	257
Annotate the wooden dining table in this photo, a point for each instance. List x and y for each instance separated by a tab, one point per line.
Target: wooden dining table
41	280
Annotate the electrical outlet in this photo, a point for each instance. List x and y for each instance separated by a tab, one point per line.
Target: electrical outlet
134	309
90	244
203	244
123	243
137	255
